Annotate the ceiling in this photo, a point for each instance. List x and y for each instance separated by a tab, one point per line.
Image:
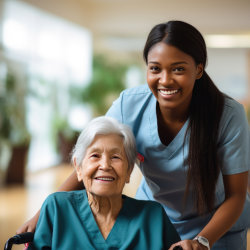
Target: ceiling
128	22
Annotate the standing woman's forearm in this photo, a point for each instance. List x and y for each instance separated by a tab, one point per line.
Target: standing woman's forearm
226	215
230	210
71	183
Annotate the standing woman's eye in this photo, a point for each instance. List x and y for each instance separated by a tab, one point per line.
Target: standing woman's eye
154	68
178	69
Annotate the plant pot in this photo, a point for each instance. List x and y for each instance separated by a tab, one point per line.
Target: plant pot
17	165
65	146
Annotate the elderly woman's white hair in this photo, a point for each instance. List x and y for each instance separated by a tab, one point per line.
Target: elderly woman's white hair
103	126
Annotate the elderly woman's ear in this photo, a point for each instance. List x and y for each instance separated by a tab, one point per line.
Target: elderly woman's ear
78	170
129	174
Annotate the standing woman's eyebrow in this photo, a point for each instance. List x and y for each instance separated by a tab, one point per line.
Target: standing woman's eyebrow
177	63
153	62
173	64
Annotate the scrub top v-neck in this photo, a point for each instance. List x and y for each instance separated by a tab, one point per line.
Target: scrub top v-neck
165	168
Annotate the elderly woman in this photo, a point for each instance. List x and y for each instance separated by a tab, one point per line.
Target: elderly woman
100	217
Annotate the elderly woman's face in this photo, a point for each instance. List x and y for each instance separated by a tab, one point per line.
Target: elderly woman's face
104	168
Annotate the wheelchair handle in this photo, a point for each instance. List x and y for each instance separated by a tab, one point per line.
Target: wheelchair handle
19	239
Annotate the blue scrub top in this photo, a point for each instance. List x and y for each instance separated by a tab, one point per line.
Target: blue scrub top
164	167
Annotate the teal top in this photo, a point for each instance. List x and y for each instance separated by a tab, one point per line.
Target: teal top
66	222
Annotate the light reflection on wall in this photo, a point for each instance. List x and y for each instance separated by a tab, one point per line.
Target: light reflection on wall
228	41
35	35
228	69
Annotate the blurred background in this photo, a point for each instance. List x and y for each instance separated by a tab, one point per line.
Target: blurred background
64	62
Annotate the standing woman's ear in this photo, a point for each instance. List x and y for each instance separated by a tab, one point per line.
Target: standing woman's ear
200	69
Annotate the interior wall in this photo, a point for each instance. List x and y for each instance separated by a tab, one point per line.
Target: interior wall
76	11
137	17
229	69
134	19
1	18
248	80
106	19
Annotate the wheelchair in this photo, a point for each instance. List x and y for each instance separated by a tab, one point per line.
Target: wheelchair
19	239
28	237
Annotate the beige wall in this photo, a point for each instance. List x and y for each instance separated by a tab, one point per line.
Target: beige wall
74	10
134	19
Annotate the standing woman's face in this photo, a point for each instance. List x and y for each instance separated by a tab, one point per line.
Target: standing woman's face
171	76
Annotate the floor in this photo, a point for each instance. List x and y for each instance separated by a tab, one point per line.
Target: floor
19	203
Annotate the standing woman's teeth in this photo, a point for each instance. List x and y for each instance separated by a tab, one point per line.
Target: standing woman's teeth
168	92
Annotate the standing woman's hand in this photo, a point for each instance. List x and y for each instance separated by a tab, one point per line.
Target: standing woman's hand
188	245
30	225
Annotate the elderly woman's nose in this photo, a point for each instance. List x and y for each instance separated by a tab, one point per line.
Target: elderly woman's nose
105	163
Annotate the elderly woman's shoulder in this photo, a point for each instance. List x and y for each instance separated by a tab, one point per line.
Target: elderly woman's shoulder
65	197
145	212
145	204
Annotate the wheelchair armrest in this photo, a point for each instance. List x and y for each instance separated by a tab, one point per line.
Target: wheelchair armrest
19	239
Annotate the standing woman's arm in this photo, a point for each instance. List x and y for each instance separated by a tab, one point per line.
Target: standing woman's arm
234	158
71	183
248	186
227	213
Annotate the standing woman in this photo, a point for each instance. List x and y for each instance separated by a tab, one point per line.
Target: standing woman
193	139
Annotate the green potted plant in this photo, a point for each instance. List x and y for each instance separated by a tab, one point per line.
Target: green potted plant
64	137
108	80
13	129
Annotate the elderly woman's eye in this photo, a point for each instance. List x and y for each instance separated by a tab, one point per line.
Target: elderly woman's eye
116	157
94	156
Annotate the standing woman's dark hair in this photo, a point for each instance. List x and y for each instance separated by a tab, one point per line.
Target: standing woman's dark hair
205	112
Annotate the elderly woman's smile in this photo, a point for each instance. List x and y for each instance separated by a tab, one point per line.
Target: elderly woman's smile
104	178
104	169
